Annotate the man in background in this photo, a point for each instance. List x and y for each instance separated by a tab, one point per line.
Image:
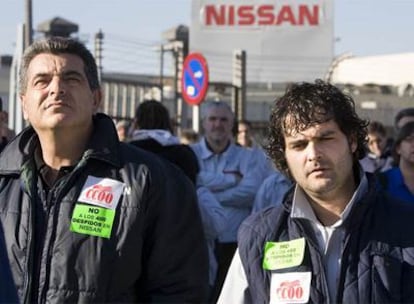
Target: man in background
378	158
245	139
6	134
122	129
152	131
403	116
229	176
399	180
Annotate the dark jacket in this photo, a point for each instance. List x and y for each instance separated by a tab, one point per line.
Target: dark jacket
8	293
180	155
155	251
377	263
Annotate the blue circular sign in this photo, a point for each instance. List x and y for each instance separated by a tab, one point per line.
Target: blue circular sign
194	82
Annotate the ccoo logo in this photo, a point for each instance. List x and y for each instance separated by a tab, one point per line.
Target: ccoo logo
99	193
290	290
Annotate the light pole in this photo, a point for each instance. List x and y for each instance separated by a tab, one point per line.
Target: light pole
28	24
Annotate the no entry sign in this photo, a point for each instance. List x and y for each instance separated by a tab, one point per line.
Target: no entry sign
194	82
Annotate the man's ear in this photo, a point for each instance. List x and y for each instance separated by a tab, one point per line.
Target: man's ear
97	99
353	143
23	101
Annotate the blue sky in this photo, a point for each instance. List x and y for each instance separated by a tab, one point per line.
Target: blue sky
370	27
363	27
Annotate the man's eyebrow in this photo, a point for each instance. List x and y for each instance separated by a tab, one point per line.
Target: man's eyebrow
41	74
305	138
72	72
326	133
64	73
293	141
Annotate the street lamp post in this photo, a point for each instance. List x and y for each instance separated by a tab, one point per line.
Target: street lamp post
28	24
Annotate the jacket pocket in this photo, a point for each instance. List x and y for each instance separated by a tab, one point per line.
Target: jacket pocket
386	279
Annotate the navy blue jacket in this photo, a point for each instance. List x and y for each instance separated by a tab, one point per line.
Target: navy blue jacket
180	155
377	264
8	292
155	253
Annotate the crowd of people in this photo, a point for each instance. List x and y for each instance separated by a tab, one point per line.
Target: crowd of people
93	210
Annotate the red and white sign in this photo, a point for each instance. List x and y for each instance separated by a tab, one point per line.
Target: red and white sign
291	287
103	192
194	82
99	193
261	15
284	40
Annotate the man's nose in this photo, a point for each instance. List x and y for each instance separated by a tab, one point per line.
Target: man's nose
57	87
217	123
314	152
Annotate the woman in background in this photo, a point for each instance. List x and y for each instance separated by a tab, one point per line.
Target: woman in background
152	131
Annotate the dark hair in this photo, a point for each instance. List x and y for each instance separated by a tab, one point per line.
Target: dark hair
405	131
59	45
406	112
309	104
377	127
152	114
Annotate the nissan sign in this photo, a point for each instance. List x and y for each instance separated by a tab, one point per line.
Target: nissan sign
285	41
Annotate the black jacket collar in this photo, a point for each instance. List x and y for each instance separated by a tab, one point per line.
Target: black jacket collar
103	145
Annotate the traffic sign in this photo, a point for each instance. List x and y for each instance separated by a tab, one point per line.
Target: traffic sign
194	81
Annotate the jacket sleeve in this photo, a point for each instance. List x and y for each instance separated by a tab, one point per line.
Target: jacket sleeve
216	181
175	252
271	192
212	213
264	163
242	195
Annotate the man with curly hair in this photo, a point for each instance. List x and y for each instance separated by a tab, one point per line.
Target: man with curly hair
335	238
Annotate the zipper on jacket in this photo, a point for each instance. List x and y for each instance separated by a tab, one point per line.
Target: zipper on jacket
53	200
351	240
49	204
37	249
315	248
28	281
344	262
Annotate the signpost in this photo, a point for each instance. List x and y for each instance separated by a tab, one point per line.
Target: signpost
194	83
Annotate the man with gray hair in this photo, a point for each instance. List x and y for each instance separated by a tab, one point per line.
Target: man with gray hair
228	177
87	218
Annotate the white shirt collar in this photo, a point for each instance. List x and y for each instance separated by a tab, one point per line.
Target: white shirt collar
301	207
207	153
